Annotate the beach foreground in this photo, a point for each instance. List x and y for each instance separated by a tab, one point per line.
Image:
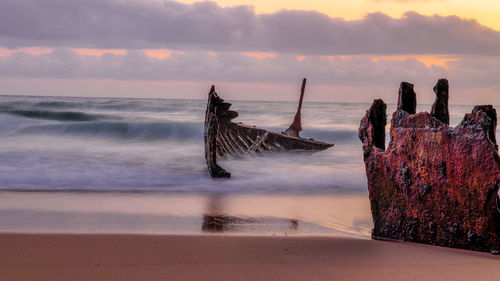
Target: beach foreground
214	257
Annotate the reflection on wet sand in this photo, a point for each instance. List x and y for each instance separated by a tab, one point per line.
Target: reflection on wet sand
216	220
157	213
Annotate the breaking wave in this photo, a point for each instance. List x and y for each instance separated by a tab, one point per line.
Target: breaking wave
122	130
335	136
58	104
159	130
53	115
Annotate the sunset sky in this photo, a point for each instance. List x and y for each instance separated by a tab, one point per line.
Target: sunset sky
351	51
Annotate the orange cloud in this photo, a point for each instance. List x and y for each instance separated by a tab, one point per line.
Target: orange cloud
161	53
99	52
428	60
260	55
29	50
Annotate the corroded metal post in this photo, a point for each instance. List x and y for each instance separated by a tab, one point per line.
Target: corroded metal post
492	114
440	107
407	99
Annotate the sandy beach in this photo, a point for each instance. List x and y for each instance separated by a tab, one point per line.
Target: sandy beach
222	257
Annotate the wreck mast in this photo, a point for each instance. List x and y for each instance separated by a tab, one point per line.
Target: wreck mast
296	125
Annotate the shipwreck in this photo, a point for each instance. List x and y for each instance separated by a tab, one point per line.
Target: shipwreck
434	183
224	138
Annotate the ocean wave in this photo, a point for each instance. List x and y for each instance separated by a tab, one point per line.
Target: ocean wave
53	115
96	105
58	104
122	130
99	104
333	135
151	130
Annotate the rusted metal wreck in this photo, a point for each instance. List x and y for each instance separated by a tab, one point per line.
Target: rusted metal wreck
225	138
434	184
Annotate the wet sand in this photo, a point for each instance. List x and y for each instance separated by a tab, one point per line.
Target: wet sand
184	214
223	257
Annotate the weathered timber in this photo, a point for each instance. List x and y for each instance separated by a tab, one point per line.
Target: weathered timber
434	184
215	114
224	138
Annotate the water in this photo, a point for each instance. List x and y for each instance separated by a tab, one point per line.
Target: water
63	145
157	145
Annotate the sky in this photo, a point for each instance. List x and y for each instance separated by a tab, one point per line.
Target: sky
350	51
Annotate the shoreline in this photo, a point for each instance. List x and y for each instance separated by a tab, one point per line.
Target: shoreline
181	214
232	257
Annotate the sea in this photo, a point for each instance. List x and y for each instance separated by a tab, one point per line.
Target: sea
130	165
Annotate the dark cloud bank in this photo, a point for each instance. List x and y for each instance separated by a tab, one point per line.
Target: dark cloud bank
206	26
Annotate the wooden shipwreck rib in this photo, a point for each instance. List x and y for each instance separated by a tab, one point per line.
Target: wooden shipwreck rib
225	138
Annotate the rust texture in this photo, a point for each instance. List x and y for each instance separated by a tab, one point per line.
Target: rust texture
407	99
224	138
440	107
296	125
434	184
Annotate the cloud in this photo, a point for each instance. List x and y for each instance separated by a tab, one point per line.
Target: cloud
207	67
205	26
